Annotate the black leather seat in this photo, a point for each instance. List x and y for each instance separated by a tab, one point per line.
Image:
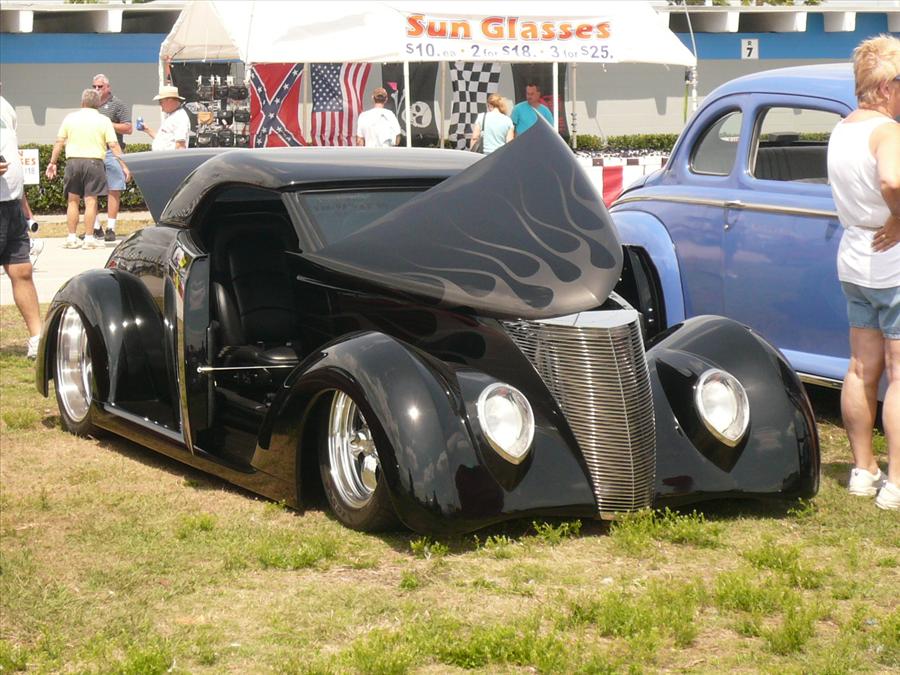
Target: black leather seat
258	322
792	163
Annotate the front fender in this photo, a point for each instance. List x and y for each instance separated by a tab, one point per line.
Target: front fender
440	476
779	457
640	229
127	337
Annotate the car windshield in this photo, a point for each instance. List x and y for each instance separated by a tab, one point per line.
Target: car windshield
337	214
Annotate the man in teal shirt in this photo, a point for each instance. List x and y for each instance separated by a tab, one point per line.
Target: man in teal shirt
525	114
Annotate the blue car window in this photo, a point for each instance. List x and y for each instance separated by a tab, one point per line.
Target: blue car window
716	150
792	145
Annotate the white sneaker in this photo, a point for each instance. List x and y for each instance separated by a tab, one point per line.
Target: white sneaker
863	483
72	242
37	245
33	343
888	497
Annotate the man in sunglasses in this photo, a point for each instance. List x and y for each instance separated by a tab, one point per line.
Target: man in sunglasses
120	116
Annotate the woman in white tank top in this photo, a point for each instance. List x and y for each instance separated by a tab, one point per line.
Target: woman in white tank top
864	172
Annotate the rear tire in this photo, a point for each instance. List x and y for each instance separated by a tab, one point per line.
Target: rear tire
73	375
351	469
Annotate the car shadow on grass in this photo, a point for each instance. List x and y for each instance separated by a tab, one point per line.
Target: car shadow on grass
826	404
194	478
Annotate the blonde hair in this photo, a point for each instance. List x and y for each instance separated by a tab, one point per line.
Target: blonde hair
498	102
875	61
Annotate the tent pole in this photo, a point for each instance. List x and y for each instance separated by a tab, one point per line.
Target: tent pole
443	94
307	117
574	103
556	96
408	106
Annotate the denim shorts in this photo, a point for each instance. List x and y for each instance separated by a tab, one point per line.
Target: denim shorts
115	176
876	308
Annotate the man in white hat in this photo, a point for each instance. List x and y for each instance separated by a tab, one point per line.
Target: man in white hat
175	126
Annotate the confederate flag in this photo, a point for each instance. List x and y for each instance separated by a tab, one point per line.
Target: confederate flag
275	105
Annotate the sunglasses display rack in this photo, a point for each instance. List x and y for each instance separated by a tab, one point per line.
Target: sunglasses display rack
222	111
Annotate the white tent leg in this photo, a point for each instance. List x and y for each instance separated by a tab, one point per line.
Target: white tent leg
574	129
443	96
556	96
305	114
407	85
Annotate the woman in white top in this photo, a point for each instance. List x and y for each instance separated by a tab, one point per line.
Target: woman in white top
864	172
497	126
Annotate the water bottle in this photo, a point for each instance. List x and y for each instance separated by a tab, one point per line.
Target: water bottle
140	123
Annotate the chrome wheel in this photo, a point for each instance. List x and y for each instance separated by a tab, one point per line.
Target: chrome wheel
74	370
353	460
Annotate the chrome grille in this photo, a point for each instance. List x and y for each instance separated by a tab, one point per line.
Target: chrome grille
593	363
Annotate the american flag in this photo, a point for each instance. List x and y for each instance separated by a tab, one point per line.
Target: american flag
275	105
336	101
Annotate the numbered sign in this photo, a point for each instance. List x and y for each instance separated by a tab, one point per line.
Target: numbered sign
750	48
30	166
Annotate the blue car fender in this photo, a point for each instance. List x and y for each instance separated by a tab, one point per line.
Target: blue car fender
640	229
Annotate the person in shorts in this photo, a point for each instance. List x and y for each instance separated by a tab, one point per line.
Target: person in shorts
864	172
118	113
86	135
378	127
14	240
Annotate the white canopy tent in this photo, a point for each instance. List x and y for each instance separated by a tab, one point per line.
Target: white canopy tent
307	31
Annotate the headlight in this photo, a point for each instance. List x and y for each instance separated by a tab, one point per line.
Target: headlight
507	420
723	406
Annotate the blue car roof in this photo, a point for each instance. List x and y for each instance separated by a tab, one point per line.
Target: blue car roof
832	81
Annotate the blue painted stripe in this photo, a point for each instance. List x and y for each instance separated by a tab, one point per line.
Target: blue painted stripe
80	47
815	43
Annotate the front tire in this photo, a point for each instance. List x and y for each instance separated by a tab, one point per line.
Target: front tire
74	375
351	469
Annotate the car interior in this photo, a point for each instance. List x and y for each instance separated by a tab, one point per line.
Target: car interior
785	157
255	337
792	144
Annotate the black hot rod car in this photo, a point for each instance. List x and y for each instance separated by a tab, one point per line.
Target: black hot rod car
439	340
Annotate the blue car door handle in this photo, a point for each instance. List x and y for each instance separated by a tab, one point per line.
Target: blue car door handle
731	204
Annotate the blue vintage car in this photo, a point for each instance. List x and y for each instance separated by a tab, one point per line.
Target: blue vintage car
741	221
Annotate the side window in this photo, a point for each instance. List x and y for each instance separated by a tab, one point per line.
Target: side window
792	145
716	150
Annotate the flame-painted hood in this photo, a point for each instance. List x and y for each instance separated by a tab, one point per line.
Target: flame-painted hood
521	233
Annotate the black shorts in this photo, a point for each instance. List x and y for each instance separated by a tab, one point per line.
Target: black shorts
85	177
14	242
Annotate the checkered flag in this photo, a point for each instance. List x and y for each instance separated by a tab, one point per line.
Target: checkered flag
472	83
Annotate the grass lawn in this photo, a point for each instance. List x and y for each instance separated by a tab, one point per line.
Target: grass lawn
115	559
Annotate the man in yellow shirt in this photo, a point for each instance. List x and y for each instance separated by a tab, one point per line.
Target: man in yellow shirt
86	135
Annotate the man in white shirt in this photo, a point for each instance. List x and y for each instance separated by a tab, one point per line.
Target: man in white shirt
378	127
175	126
